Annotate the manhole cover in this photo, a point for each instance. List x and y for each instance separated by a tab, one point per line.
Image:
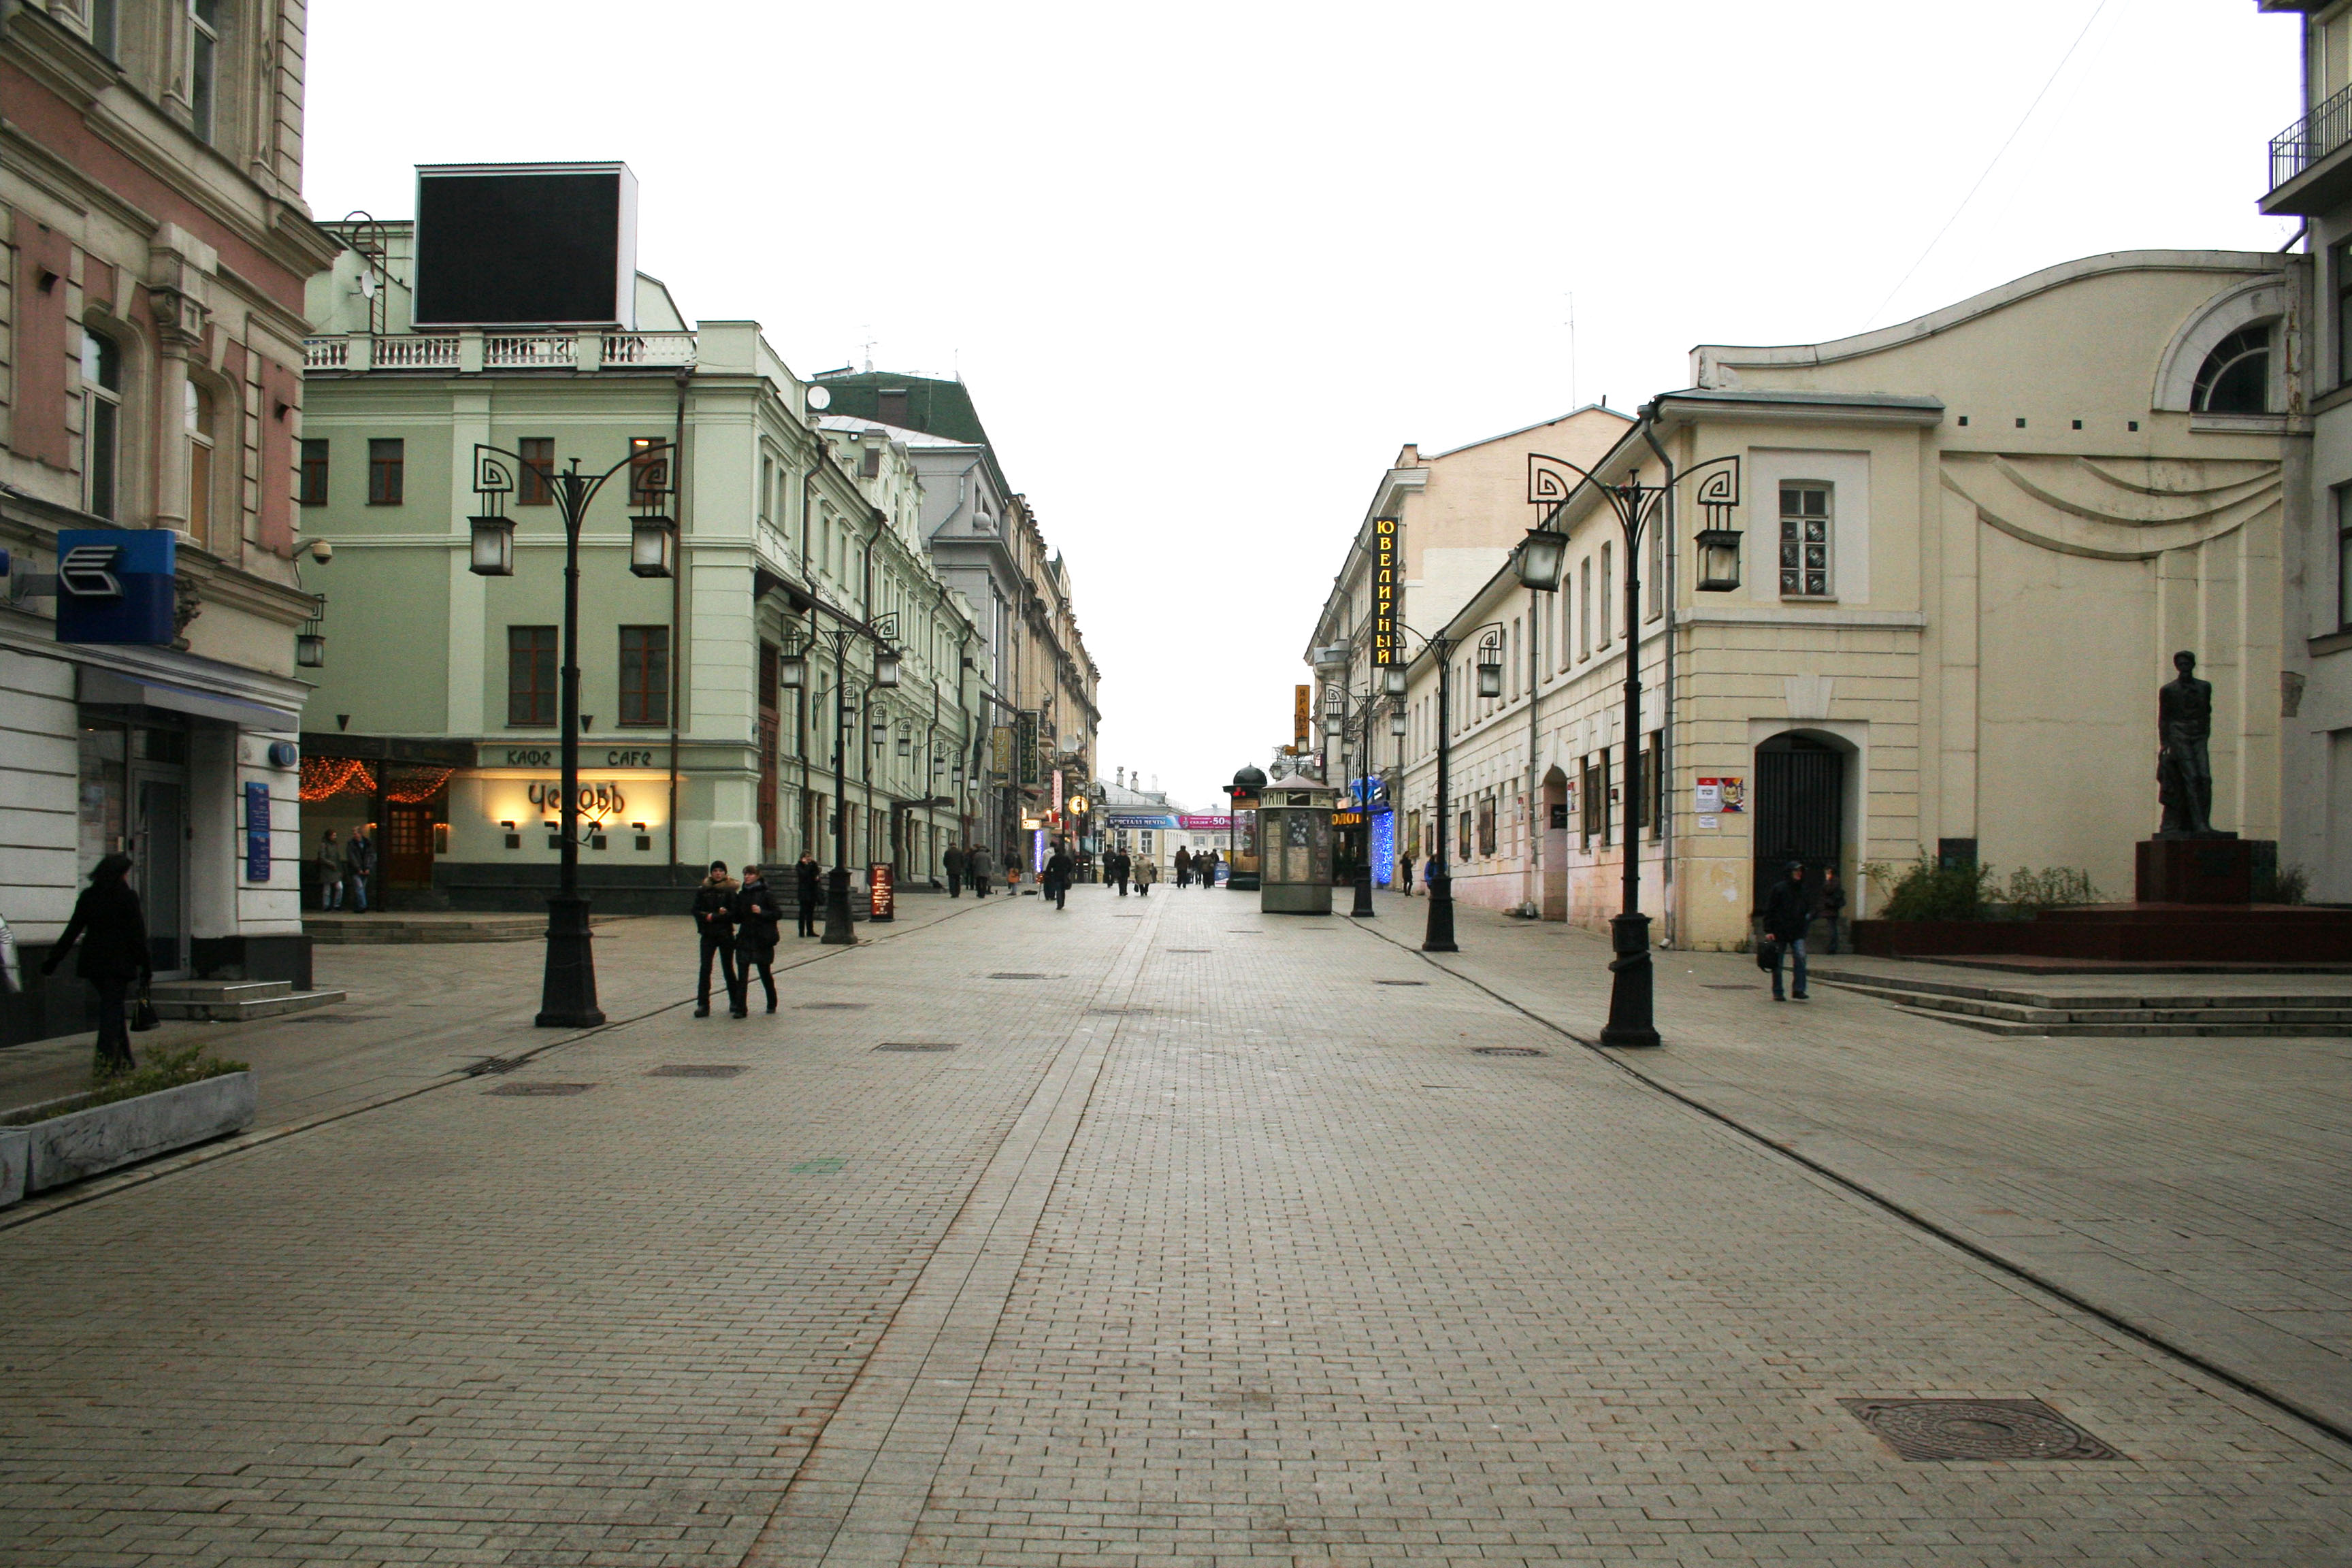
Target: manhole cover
691	1070
1018	974
494	1064
1976	1429
1400	982
1237	932
834	1006
1505	1051
1730	986
1119	1012
1183	950
817	1167
542	1088
915	1045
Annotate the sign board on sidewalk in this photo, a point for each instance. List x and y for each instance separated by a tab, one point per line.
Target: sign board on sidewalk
879	889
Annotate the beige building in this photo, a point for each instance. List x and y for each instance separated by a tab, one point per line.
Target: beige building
1971	544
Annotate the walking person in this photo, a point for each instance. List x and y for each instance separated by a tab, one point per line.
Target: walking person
952	862
330	872
714	922
1207	865
1115	871
1788	911
1183	867
807	883
975	865
757	916
112	931
1011	872
1055	883
1146	871
1833	900
1404	873
359	865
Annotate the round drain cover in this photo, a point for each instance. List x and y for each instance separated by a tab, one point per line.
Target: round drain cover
1977	1429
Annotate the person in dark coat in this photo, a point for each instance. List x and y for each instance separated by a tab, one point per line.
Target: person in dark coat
1788	911
1206	865
1116	866
714	922
112	931
1056	882
1183	867
758	917
808	883
1833	904
359	865
952	863
976	867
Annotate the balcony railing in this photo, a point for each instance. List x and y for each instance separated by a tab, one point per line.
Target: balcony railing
465	352
2312	138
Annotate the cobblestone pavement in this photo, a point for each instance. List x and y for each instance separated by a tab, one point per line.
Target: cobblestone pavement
2196	1188
1202	1246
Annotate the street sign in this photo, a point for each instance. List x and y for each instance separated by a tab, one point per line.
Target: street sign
117	586
1302	711
256	831
1384	590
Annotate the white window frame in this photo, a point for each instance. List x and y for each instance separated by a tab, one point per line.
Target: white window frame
101	405
1801	521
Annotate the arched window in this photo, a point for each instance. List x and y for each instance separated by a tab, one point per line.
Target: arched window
101	422
2236	376
198	415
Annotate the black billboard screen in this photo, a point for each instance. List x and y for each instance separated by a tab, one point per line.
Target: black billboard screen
534	244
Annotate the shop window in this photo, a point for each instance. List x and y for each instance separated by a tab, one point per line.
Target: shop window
204	64
531	676
101	386
314	470
1805	540
1486	826
2236	376
535	486
645	675
387	462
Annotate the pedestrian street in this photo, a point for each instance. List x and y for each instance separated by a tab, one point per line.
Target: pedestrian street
1155	1230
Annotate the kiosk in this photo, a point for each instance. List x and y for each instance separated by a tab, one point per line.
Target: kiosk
1241	832
1295	849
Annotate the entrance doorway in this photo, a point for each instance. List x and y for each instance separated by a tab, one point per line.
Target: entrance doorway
1800	808
408	843
159	860
1555	846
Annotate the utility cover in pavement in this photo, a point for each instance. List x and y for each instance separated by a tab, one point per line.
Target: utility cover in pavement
834	1006
694	1071
1018	974
542	1088
1400	982
1976	1429
915	1045
1505	1051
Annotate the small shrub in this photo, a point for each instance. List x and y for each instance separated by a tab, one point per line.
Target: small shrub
2054	889
2281	884
1924	890
165	1069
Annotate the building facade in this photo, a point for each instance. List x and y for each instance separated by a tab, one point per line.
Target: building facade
1035	752
2078	472
437	715
156	248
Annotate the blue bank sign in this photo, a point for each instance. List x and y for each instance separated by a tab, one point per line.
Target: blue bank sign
115	585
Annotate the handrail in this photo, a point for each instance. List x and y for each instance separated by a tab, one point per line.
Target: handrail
2312	138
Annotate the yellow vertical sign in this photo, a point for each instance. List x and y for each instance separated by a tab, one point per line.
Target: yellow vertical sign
1386	648
1302	708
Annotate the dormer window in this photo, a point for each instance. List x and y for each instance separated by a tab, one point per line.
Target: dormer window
2236	376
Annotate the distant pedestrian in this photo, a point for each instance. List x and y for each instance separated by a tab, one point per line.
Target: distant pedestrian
359	865
1056	882
808	885
113	936
1788	911
330	872
952	862
1146	871
1430	872
714	922
976	868
1404	873
1183	867
1833	901
1115	869
757	918
1206	866
1012	873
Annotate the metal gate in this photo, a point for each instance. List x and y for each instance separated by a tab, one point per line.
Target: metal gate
1800	808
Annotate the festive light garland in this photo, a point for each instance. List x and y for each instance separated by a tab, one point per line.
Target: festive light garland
326	776
406	786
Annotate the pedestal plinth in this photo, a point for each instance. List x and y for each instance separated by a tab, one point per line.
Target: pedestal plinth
2215	868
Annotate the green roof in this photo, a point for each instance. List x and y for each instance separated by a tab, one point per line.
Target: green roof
935	407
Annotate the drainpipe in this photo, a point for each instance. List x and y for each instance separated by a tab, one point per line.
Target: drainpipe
677	602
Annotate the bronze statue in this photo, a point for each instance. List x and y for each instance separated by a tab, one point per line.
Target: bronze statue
2184	771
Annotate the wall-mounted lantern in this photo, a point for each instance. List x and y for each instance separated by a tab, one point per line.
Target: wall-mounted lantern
653	544
1718	559
493	553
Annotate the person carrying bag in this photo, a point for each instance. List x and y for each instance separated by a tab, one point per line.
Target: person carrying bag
112	931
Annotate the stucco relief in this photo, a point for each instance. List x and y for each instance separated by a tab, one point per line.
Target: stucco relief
2112	509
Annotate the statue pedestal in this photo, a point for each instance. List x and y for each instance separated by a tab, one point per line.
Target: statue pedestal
2215	869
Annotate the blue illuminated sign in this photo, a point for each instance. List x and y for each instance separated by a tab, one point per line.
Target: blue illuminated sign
116	585
1385	849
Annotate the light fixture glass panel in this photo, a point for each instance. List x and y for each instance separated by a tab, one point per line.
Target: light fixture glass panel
493	555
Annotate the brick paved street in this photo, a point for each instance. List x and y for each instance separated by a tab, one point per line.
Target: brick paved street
1202	1245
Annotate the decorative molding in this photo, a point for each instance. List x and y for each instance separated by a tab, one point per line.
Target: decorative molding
1809	696
1765	616
2242	304
2113	509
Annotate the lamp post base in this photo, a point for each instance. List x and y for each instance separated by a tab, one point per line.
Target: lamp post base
567	996
1630	1020
840	930
1363	910
1439	936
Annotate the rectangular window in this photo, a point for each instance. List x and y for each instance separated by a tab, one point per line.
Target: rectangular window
1657	570
649	481
203	63
1511	657
2342	261
2343	556
645	675
767	485
1608	590
102	430
1584	609
198	417
1804	539
531	676
1487	826
386	461
314	470
535	485
1654	771
1593	791
105	27
1461	837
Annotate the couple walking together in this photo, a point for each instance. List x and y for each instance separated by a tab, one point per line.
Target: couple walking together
738	924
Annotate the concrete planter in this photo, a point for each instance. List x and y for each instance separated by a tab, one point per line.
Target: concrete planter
16	1148
78	1143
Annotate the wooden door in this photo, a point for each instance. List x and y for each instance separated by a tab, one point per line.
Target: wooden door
407	845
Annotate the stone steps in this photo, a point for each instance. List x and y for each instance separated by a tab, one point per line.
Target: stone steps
235	1001
2007	1010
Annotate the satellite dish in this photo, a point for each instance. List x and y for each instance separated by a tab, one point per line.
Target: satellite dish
367	284
819	398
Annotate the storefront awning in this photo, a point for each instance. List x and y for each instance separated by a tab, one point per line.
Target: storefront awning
104	685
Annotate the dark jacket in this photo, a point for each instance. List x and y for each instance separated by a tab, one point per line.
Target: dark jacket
808	880
1788	910
952	862
1832	900
358	856
714	908
112	933
756	914
1058	867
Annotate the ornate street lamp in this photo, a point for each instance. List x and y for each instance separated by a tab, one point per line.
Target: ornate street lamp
1490	663
653	539
1540	556
568	988
1718	559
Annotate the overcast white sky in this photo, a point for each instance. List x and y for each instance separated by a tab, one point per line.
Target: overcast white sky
1206	268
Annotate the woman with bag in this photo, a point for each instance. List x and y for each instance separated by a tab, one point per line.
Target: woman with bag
112	931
